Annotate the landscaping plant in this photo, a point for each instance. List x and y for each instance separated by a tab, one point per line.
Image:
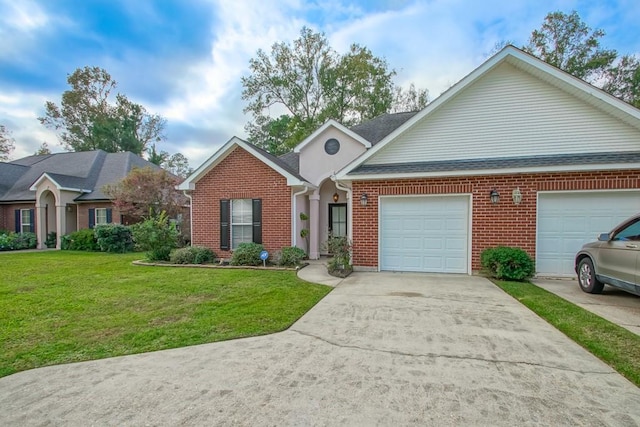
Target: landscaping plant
157	236
115	238
507	263
10	241
247	254
340	263
290	256
81	240
193	255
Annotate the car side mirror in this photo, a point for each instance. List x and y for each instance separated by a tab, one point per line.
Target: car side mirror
604	237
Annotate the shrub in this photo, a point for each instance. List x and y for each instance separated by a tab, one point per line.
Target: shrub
25	241
247	254
507	263
81	240
114	238
290	256
340	248
51	240
6	242
193	255
156	236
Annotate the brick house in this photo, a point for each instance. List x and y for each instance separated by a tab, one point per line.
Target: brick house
517	153
61	192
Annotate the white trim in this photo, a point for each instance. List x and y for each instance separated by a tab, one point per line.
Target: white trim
45	175
469	221
223	152
485	172
331	123
519	58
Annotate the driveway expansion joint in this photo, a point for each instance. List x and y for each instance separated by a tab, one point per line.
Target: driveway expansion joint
453	357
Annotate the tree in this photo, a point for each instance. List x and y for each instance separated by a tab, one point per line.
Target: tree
410	100
178	165
623	80
7	144
43	150
309	83
86	120
566	42
145	193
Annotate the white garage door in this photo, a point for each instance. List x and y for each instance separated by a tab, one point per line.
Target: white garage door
568	220
428	234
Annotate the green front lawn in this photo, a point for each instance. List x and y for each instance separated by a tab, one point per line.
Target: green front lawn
60	307
614	345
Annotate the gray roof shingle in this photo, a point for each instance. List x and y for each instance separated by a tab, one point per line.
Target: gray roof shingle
498	163
376	129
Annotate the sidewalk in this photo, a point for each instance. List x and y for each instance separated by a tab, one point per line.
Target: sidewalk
316	272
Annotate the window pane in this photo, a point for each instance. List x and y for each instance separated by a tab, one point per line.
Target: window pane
241	211
241	234
25	219
101	216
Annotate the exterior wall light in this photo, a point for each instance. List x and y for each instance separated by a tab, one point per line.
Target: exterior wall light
494	196
516	196
364	199
336	197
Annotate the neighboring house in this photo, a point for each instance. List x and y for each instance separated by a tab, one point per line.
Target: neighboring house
560	157
61	192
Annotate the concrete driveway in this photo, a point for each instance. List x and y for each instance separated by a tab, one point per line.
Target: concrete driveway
381	349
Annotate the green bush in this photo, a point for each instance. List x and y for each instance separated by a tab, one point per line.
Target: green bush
10	241
507	263
193	255
81	240
52	239
156	236
247	254
340	248
290	256
115	238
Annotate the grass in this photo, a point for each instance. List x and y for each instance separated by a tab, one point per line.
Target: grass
614	345
59	306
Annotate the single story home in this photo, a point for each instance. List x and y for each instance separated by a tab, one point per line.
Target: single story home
517	153
61	192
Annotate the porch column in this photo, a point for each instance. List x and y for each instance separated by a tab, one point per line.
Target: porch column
41	226
314	225
61	224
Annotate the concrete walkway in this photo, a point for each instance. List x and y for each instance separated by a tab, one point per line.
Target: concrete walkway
380	349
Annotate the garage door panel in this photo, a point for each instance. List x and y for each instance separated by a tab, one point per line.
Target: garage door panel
568	220
426	234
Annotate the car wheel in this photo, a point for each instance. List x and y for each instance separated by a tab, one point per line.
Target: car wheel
587	277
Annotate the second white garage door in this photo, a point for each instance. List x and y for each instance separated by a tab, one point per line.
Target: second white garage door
566	221
426	233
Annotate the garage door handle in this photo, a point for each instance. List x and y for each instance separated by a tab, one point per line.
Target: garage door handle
631	246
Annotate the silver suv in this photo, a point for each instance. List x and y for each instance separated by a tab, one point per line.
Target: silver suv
612	260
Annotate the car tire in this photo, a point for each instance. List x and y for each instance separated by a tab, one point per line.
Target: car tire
587	277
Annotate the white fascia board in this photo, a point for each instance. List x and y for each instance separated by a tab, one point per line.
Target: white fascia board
34	186
338	126
451	174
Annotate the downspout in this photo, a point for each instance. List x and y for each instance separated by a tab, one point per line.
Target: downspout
294	229
188	196
349	191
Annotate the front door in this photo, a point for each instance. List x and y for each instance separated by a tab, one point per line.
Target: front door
338	219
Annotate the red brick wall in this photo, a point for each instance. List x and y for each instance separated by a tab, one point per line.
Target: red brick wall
241	176
7	215
501	224
83	213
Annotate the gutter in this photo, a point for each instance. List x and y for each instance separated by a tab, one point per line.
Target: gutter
294	229
188	196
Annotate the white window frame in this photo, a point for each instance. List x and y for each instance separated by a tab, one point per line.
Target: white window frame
102	211
24	224
232	224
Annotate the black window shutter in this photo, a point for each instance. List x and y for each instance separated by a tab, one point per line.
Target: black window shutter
109	216
92	218
257	220
224	225
32	217
18	220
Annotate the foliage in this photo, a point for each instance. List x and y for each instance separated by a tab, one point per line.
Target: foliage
623	80
290	256
247	254
86	120
115	238
157	236
507	263
193	255
52	240
43	150
568	43
313	83
411	99
7	143
614	345
176	164
304	233
81	240
97	305
340	249
146	192
10	241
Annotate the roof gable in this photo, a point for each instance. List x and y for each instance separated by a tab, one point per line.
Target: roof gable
590	98
275	163
331	123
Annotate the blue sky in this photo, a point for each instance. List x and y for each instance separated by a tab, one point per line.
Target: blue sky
184	59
